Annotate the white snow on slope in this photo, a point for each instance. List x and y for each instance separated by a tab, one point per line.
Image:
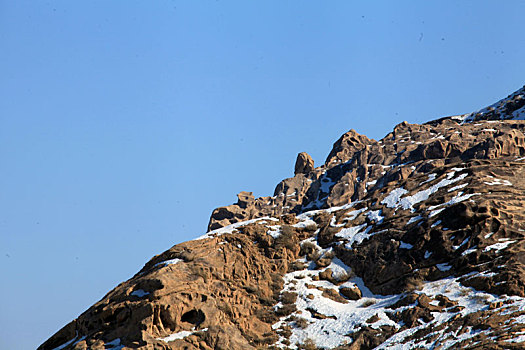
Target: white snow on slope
396	200
180	335
233	227
175	336
458	187
170	262
495	182
344	318
350	232
470	299
414	219
460	197
394	197
498	246
375	216
409	201
274	231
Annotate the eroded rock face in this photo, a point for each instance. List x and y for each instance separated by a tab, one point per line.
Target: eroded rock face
357	165
412	241
304	163
220	289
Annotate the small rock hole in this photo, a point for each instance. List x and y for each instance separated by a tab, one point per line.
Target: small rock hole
195	317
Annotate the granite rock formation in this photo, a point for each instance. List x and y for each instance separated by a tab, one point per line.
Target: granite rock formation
412	241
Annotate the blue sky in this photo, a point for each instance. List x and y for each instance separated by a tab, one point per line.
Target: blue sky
124	123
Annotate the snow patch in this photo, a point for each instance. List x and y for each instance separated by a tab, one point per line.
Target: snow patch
375	216
431	177
343	318
443	267
180	335
393	197
498	246
496	182
232	227
469	251
355	235
169	262
414	219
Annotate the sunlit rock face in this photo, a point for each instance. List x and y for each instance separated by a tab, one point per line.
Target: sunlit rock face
412	241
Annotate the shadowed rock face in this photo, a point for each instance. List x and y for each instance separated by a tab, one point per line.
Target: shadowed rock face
415	240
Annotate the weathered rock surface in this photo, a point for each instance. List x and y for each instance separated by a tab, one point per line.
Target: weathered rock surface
412	241
304	163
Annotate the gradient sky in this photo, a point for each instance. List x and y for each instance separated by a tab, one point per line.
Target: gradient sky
124	123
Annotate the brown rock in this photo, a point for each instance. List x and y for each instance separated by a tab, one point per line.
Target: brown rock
495	305
320	316
373	319
347	146
425	302
245	199
334	295
351	293
326	275
230	284
445	302
304	163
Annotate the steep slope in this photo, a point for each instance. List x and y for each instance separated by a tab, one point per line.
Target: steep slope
413	241
510	108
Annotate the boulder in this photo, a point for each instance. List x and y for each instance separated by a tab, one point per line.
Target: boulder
352	293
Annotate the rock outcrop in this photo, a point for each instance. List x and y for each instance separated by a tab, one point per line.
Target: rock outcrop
304	163
413	241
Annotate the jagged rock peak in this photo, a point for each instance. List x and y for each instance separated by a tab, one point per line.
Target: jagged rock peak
358	165
415	241
347	145
304	163
245	199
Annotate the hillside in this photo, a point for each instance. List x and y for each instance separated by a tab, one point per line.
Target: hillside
412	241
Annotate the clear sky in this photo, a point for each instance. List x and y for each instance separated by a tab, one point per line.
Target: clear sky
124	123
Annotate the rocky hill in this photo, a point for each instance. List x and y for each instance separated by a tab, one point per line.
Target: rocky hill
415	241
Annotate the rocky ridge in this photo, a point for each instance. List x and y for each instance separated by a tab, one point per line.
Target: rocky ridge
412	241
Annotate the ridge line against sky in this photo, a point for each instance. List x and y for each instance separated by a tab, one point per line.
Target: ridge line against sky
124	124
